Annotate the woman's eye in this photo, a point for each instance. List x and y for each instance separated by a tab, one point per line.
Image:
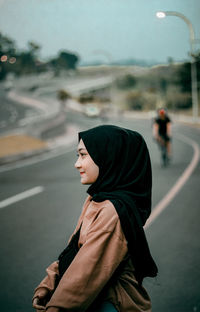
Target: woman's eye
81	154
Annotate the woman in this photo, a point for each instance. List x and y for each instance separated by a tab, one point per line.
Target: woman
113	256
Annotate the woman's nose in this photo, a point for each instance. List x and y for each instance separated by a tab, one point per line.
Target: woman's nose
77	164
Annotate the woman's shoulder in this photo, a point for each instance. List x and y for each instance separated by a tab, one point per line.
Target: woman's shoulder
105	208
104	215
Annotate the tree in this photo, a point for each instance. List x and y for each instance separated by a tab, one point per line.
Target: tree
197	58
63	96
34	48
27	61
7	48
65	60
15	61
184	77
184	74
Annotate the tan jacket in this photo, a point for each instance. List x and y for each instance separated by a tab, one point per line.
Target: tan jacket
103	247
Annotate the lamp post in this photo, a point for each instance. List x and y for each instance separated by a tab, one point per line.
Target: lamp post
163	14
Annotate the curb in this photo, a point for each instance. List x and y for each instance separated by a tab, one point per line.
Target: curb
14	158
49	118
60	142
49	115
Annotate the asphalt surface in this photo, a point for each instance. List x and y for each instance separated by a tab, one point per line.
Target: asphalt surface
35	228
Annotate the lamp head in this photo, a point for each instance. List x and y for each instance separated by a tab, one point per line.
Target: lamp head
161	14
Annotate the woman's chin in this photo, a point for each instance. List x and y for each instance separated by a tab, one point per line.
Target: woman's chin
84	182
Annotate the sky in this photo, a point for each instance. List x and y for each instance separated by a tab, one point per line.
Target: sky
102	29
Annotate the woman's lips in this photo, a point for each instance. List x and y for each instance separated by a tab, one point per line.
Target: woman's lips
81	173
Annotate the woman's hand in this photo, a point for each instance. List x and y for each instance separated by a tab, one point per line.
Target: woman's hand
39	303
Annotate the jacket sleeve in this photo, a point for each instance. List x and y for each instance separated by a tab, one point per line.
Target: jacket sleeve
47	285
103	250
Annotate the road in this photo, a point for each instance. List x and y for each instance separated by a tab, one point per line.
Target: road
34	229
12	112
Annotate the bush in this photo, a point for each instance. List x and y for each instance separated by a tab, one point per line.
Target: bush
126	82
150	100
179	101
85	98
63	95
134	100
138	100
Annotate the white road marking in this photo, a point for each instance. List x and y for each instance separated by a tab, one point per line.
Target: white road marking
178	185
163	203
21	196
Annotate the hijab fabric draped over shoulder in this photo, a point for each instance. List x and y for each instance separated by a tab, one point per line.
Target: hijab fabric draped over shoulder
125	178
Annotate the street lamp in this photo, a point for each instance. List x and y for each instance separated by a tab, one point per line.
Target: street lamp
163	14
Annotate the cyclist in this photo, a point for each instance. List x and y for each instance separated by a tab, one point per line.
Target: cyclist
162	130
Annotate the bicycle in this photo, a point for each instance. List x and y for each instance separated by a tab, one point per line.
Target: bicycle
163	151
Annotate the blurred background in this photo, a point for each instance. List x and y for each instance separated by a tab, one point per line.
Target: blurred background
66	66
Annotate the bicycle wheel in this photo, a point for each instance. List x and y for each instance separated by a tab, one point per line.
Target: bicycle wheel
164	158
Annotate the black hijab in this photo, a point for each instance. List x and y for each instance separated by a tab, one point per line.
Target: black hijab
125	179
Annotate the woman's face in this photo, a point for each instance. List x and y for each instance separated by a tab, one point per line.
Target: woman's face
89	171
